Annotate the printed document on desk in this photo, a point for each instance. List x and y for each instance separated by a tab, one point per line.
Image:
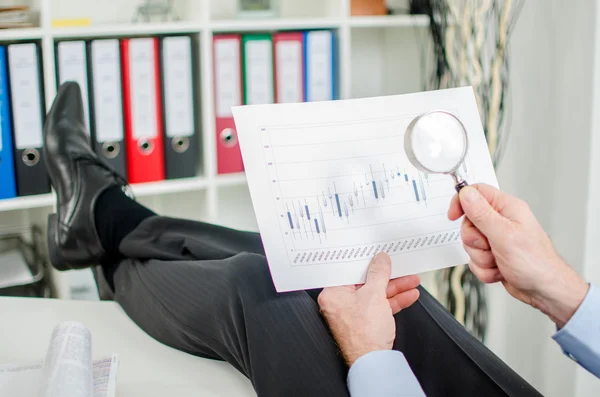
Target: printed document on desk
68	370
331	186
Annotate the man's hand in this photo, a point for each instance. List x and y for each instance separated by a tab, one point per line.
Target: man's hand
507	244
361	317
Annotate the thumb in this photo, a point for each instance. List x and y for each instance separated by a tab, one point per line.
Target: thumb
380	270
480	212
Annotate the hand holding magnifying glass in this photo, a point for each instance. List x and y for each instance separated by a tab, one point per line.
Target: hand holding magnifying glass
436	143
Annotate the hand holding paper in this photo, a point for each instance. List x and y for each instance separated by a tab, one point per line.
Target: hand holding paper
360	317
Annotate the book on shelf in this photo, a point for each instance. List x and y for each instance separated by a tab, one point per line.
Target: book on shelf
15	17
6	9
16	25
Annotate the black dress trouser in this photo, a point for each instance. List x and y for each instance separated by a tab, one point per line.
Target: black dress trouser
206	290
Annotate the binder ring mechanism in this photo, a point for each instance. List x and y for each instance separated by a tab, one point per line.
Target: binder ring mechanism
180	144
146	146
31	157
228	137
110	150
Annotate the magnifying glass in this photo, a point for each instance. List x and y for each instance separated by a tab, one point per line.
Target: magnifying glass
436	142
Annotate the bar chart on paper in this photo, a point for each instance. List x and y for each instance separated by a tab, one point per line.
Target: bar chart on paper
331	187
346	191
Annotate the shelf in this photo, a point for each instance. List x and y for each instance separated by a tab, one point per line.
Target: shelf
21	34
386	21
22	203
170	186
243	25
139	190
318	23
226	184
124	30
248	25
231	180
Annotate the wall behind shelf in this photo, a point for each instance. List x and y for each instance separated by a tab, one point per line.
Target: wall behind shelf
226	9
395	59
118	11
187	205
235	208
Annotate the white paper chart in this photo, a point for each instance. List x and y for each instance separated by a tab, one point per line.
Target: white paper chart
332	187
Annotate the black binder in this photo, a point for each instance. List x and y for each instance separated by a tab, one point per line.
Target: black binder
181	141
106	102
28	109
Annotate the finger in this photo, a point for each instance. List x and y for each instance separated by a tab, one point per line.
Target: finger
472	237
479	210
482	258
487	276
506	205
380	271
402	284
403	300
455	211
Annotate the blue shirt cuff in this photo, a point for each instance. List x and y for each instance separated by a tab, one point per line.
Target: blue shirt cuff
580	337
383	373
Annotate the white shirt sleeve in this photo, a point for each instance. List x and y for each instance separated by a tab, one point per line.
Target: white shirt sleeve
384	373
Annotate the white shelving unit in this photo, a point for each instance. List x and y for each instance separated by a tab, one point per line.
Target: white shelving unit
386	49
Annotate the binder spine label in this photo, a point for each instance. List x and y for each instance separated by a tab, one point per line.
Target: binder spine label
259	72
26	91
289	71
227	76
72	66
320	65
108	105
179	103
143	88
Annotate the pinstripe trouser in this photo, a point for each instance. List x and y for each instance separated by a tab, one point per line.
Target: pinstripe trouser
206	290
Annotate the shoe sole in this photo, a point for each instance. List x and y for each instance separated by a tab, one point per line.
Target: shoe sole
54	255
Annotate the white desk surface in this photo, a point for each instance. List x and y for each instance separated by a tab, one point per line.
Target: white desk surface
147	368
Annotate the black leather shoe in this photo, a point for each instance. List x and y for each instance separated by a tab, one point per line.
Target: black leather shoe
79	176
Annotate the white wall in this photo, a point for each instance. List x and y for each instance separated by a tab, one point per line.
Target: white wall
547	163
586	384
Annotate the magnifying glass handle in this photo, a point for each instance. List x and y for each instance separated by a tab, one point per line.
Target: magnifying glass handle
460	186
460	182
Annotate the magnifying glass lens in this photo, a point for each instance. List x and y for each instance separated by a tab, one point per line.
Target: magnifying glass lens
439	142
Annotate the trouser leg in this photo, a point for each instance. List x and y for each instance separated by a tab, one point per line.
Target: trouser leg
208	294
207	290
447	360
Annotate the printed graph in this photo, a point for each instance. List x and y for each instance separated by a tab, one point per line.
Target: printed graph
344	191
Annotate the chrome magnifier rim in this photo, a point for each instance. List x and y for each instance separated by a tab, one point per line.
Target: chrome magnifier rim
410	152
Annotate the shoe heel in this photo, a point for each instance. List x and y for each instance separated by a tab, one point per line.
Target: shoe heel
56	259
